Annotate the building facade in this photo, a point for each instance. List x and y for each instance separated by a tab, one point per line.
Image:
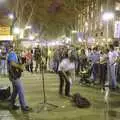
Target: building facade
91	23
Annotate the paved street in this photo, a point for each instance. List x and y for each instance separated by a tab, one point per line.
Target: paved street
65	111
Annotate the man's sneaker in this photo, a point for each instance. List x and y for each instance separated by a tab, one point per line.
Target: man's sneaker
14	107
26	109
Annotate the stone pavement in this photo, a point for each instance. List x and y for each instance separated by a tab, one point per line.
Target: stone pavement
65	111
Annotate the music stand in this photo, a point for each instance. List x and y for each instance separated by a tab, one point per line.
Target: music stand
45	105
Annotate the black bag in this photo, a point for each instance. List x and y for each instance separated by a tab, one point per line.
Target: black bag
4	92
80	101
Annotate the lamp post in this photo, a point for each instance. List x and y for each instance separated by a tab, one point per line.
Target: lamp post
107	16
13	19
11	16
16	32
73	36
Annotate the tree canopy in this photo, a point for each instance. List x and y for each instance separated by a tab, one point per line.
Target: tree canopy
51	17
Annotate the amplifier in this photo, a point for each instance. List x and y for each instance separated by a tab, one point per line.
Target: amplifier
5	92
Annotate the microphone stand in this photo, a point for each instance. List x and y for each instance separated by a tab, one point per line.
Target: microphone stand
45	105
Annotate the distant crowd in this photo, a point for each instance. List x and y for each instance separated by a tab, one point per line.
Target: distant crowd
103	61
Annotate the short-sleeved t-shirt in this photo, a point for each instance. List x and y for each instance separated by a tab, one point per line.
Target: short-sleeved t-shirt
12	57
13	72
112	57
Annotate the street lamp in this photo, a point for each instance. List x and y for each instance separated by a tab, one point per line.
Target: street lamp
107	16
11	16
31	37
16	30
73	31
28	27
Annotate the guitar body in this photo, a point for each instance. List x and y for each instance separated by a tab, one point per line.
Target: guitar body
15	73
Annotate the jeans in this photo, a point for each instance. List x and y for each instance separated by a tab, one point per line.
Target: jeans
103	74
38	64
18	90
3	67
112	69
29	67
65	79
95	71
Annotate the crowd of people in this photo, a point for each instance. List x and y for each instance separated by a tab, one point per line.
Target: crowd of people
66	61
102	62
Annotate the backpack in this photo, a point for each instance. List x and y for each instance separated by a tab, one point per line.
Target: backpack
80	101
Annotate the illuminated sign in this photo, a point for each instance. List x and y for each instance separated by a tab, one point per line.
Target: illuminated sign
6	37
4	30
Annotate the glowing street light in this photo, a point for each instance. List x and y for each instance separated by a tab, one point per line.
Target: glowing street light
86	24
16	30
31	37
108	16
28	27
117	8
11	16
79	39
74	31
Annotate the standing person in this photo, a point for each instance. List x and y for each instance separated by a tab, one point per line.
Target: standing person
56	60
83	60
103	67
29	61
38	58
23	56
89	53
95	59
3	58
113	56
15	71
64	70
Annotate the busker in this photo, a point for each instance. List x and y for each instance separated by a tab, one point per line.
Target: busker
65	67
15	71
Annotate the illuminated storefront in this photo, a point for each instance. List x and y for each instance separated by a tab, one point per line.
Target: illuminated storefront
5	37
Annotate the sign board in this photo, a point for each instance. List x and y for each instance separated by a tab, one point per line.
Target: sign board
6	37
4	30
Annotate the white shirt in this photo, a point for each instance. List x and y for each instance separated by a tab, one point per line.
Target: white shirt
112	57
66	65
